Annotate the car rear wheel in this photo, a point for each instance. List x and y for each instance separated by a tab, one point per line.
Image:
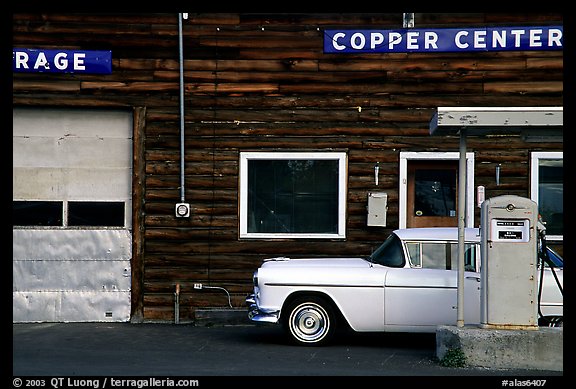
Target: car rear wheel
310	321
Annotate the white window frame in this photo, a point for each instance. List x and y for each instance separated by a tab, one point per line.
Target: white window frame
342	192
430	155
535	158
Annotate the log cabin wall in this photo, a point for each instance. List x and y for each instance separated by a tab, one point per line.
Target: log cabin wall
261	82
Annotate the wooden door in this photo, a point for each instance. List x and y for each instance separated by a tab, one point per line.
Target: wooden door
432	198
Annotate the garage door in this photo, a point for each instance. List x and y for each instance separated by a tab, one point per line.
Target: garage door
72	241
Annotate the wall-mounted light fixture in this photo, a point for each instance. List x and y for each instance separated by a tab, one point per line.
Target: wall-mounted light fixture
498	174
376	172
480	195
408	20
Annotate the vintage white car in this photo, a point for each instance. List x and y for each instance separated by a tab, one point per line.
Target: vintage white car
409	284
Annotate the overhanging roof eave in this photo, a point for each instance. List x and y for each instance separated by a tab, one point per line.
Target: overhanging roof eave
498	120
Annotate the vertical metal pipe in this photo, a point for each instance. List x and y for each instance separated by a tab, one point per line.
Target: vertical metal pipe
181	60
461	225
177	304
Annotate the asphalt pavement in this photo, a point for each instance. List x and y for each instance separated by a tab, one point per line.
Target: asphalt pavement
104	349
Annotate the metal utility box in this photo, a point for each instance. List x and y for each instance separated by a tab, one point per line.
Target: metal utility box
377	207
509	286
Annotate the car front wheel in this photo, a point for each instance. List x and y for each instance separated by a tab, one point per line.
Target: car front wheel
310	321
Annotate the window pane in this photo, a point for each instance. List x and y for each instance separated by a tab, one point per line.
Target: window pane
293	196
434	256
414	253
469	256
93	213
435	192
550	195
37	213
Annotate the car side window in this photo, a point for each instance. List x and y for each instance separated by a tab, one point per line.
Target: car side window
414	253
470	257
436	256
441	255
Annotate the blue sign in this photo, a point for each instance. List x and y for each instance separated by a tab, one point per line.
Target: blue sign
61	61
418	40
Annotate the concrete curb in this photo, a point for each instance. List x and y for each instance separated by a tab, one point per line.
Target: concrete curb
540	349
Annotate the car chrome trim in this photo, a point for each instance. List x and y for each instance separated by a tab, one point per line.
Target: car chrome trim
322	285
551	304
250	300
363	286
257	315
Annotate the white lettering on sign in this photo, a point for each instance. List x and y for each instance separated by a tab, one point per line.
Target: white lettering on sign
412	41
430	40
480	39
335	41
554	36
472	39
61	61
376	39
358	41
535	38
41	61
394	38
21	60
517	36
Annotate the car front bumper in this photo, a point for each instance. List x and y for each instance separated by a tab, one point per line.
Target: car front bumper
256	314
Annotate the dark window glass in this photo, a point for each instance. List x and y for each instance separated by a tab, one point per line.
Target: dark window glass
293	196
37	213
96	214
389	253
550	195
435	192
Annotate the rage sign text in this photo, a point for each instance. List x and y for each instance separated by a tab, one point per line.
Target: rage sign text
61	61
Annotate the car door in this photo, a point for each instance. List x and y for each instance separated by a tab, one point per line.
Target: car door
426	294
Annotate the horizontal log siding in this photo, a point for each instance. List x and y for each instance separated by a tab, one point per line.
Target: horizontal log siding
261	82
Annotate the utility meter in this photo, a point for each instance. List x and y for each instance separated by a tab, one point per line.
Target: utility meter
377	207
182	210
509	286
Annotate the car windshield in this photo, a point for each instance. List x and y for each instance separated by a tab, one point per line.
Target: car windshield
389	253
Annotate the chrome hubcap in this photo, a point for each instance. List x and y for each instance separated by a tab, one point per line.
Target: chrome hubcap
309	322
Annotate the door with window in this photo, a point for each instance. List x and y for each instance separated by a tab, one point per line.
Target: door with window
432	196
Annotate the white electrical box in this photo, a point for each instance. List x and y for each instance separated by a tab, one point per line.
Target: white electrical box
509	283
377	208
182	210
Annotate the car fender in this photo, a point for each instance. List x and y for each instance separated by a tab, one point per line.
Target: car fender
363	310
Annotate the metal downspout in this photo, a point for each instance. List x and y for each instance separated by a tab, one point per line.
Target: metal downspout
181	60
182	165
461	226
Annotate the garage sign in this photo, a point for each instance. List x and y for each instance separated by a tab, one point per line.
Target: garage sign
444	40
61	61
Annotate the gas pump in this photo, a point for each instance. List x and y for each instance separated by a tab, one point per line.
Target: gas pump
509	283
